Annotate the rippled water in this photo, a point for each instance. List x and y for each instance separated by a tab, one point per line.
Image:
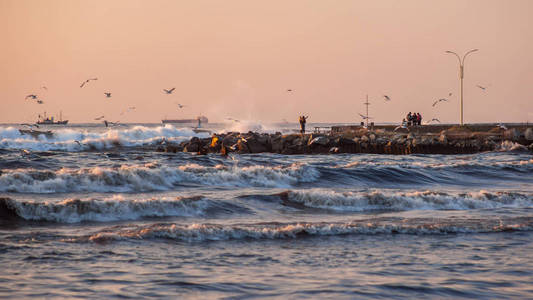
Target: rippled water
109	218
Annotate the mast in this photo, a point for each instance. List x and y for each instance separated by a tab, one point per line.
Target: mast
367	104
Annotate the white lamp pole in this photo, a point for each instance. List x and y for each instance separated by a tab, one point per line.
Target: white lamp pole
462	74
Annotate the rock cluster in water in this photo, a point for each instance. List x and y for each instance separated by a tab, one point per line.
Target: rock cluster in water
357	141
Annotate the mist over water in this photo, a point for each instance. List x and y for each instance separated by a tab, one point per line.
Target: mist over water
110	217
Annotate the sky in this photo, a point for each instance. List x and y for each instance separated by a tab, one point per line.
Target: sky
238	59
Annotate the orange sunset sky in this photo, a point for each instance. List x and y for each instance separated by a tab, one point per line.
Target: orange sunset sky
238	58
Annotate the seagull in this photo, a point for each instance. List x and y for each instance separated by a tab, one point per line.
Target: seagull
501	126
99	118
180	105
40	101
32	96
169	91
30	125
365	117
402	126
86	81
450	94
78	142
434	119
482	87
440	100
387	98
289	90
108	95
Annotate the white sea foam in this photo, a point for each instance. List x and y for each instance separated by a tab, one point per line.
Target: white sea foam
151	177
508	146
417	200
111	209
65	139
216	232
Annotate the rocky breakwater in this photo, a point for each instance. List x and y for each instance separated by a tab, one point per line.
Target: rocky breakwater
451	141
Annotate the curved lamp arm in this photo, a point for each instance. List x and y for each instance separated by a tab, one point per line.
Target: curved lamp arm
473	50
459	58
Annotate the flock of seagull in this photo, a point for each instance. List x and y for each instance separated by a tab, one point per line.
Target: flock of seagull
38	100
180	106
388	99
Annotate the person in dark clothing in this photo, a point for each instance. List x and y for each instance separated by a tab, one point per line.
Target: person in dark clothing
303	120
409	119
419	119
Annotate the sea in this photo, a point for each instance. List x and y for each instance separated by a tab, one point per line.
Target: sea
96	212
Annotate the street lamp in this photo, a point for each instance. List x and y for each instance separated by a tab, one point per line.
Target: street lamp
461	74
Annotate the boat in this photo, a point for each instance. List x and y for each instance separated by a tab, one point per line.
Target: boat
198	120
50	120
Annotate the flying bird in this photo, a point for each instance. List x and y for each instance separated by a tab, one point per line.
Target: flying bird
99	118
32	96
450	94
289	90
433	120
40	101
30	125
440	100
231	119
482	87
387	98
364	117
180	105
108	95
86	81
78	142
403	126
169	91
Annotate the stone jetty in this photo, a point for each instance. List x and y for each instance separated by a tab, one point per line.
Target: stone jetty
452	140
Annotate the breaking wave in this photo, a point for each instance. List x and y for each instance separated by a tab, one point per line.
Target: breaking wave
216	232
113	209
152	177
399	201
65	139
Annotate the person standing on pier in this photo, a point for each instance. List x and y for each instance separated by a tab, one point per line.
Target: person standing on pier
303	120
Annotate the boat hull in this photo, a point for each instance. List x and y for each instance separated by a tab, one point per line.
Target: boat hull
52	122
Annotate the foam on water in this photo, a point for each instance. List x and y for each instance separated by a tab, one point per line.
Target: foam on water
400	200
217	232
152	177
115	208
65	139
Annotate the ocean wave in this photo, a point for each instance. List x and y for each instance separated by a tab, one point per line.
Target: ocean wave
152	177
113	209
217	232
67	139
400	201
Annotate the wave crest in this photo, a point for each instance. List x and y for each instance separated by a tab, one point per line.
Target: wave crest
152	177
416	200
216	232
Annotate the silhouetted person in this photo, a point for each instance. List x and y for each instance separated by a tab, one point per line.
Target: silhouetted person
303	120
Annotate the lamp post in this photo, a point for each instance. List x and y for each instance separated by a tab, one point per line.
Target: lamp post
462	74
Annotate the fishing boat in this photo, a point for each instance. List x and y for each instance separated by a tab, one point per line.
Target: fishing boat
198	120
44	120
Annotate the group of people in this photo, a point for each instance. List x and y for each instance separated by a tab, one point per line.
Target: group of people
412	119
